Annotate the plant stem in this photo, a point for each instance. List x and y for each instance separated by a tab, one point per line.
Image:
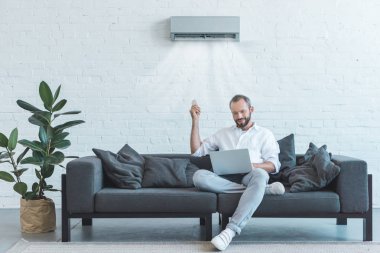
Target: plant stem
42	180
15	170
40	194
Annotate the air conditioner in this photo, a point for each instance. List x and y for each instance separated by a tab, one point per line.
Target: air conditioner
205	28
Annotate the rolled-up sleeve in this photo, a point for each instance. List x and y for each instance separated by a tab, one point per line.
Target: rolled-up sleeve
270	151
209	144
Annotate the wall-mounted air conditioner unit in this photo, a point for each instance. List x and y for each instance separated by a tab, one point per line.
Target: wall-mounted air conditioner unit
205	27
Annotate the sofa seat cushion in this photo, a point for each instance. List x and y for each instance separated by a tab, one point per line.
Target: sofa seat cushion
148	200
300	203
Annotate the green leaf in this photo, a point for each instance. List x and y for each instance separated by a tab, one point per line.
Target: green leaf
20	188
26	106
50	132
46	95
43	136
30	195
19	172
59	156
3	141
6	176
13	139
38	174
32	145
22	155
66	113
32	160
39	120
50	188
59	105
55	158
35	188
5	161
44	114
38	155
47	171
61	144
59	128
5	155
35	121
56	94
60	136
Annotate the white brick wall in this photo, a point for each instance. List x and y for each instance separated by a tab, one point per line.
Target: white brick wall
311	68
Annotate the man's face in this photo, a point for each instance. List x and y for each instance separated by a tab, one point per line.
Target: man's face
241	113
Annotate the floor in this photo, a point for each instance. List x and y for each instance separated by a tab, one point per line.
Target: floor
124	230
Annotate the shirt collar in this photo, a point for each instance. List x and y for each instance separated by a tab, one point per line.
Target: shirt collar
254	127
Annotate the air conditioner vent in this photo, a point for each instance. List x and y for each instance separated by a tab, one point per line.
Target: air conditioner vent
205	28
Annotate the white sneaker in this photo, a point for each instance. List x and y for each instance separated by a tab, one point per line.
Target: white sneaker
222	240
275	188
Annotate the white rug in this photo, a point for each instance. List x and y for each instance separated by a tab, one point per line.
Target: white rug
184	247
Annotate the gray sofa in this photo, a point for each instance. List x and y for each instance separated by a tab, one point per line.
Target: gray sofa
87	194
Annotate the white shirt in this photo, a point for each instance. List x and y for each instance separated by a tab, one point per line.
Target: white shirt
260	142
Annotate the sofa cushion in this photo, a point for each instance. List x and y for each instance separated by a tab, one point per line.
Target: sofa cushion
287	154
164	172
149	200
302	203
122	170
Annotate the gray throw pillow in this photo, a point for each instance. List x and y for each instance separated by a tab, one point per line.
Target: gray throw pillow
122	171
166	172
327	170
287	154
315	173
131	155
310	153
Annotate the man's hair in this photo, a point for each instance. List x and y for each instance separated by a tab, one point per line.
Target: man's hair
236	98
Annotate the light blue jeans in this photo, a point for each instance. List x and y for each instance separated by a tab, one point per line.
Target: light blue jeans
252	186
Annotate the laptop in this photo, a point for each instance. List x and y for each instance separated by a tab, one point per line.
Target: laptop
227	162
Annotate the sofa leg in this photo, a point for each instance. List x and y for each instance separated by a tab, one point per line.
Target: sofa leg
367	221
208	226
202	221
65	216
66	233
225	220
341	221
367	229
86	222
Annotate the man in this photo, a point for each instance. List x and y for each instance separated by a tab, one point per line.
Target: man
263	151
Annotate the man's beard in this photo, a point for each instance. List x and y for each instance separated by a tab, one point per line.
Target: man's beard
244	123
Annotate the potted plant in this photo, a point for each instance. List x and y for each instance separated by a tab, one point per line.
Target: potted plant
37	212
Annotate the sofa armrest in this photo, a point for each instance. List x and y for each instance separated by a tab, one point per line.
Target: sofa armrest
352	184
84	178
